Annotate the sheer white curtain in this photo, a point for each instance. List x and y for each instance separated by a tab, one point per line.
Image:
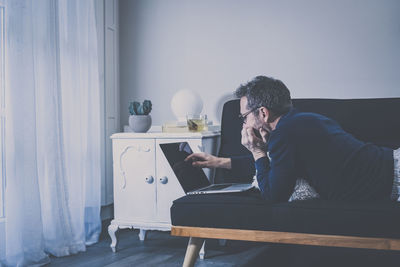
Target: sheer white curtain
52	200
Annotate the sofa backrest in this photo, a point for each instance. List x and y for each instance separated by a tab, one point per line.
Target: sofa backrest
231	126
375	120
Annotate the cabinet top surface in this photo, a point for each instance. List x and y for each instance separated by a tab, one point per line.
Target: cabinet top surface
157	134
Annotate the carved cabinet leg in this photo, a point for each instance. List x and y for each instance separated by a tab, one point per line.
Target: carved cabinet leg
192	251
142	235
202	251
112	228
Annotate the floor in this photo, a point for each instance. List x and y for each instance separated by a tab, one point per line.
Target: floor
162	249
159	249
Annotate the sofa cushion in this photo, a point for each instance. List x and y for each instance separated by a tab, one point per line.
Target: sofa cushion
248	211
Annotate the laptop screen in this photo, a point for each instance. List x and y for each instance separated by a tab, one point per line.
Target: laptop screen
190	178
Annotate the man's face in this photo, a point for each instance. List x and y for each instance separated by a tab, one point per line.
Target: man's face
250	120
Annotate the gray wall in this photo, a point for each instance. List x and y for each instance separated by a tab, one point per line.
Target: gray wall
335	49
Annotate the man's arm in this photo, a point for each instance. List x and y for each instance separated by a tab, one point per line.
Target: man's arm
276	178
204	160
241	166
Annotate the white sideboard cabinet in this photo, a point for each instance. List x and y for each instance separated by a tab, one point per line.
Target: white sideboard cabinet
144	183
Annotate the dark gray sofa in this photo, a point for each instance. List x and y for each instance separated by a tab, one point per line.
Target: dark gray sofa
245	216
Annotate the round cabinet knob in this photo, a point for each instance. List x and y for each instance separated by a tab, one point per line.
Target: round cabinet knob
164	180
149	179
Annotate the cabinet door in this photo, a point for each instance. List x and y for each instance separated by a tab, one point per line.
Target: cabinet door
168	186
134	180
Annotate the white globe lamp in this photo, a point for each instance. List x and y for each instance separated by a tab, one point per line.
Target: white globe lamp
186	102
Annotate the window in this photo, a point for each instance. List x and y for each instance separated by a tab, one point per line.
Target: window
2	112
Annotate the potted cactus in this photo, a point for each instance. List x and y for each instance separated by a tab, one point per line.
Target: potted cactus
140	120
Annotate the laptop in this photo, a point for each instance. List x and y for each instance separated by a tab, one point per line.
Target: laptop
192	179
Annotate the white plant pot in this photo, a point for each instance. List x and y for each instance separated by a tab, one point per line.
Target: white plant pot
140	123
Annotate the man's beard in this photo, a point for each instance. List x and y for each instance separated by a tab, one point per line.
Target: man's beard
261	124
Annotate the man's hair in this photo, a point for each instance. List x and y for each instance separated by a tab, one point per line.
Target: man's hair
266	92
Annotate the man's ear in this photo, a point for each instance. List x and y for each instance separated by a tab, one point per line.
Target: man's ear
264	113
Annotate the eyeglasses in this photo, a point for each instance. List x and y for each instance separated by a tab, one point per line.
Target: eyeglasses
243	117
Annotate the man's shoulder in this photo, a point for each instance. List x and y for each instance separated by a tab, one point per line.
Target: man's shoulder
302	124
303	119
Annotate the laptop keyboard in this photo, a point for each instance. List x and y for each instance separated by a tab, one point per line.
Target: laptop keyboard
216	187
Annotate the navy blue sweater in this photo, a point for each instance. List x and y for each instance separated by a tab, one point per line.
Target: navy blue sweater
314	147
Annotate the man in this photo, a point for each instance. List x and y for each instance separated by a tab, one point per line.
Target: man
286	144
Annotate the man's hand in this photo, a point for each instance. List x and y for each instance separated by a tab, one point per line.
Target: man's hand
257	146
204	160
